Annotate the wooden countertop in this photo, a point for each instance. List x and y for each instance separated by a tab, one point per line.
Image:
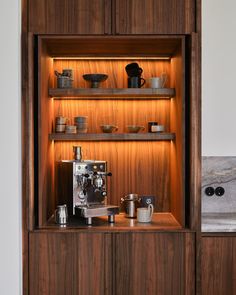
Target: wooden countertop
160	222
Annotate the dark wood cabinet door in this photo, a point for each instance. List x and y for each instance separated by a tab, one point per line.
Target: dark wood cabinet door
70	264
155	16
70	16
154	264
218	265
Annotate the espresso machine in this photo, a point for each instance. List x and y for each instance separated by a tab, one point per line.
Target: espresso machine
84	184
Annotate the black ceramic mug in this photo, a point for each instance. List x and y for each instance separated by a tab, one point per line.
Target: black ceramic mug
133	70
135	82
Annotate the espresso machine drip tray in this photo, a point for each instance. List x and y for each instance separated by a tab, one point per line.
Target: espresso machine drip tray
95	211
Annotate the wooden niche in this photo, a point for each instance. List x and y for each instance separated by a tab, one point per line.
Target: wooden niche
144	163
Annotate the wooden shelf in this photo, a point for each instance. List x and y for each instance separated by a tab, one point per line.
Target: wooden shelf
112	93
112	136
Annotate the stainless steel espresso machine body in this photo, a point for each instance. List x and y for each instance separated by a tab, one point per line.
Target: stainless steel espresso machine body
86	183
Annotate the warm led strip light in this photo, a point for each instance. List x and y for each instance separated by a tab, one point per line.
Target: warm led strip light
114	58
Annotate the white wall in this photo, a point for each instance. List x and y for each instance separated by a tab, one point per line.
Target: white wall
218	78
10	149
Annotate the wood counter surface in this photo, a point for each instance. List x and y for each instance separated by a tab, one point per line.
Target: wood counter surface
160	222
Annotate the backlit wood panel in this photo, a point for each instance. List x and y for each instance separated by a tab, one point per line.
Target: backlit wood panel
115	69
46	201
119	113
177	125
141	168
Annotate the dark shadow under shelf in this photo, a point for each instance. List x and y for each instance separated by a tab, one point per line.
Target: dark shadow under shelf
112	93
112	136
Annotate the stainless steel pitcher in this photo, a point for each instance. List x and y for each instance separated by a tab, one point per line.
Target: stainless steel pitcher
61	214
131	202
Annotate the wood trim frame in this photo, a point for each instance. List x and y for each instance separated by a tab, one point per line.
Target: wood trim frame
25	131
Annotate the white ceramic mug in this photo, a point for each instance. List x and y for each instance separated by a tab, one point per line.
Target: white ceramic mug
158	82
145	214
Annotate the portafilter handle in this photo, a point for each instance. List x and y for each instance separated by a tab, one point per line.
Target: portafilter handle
102	173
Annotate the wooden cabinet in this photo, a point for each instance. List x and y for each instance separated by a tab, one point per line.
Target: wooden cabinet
70	16
154	264
115	263
69	263
107	16
116	260
219	265
155	16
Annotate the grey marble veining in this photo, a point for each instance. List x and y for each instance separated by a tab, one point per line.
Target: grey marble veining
219	171
219	213
219	222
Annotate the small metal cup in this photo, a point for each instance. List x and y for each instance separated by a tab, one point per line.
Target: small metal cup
77	153
61	214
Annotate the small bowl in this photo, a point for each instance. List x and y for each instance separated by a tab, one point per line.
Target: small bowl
95	79
135	128
71	129
158	128
80	119
81	125
108	128
60	128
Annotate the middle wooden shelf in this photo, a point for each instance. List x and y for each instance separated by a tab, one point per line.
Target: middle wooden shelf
112	136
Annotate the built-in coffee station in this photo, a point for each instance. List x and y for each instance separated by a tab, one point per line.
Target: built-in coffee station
112	149
111	124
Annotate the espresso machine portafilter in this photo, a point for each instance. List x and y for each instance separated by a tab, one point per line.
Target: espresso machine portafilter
88	188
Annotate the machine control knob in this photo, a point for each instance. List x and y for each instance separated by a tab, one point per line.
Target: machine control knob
109	174
86	175
101	167
95	167
104	193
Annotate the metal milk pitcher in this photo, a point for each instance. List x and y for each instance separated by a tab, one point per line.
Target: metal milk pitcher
61	214
131	202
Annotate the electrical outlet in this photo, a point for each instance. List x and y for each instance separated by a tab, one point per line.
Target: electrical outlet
219	191
209	191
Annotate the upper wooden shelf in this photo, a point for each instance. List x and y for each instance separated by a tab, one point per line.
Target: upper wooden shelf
112	136
112	93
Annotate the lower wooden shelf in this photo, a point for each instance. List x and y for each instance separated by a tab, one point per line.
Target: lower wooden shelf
112	136
160	221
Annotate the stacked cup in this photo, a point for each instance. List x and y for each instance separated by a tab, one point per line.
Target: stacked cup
60	124
81	124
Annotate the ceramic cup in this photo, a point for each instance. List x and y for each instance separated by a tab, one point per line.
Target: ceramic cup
135	82
145	214
158	82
